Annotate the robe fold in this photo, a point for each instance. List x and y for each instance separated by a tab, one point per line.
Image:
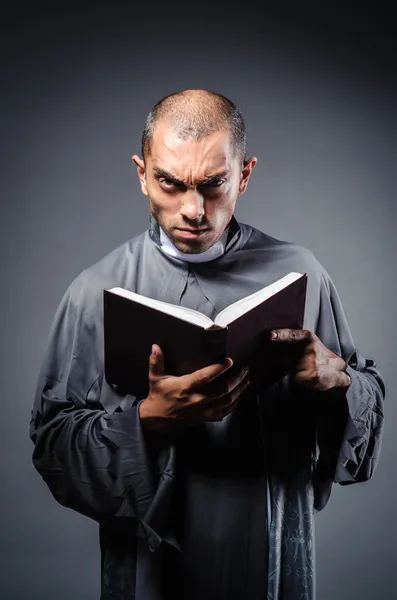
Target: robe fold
186	516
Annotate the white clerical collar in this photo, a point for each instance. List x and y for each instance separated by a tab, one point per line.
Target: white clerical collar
213	252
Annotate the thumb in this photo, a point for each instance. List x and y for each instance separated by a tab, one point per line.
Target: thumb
156	361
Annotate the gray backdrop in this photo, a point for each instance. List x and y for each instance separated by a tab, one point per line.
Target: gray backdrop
318	93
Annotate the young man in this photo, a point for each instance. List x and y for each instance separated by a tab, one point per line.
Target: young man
197	494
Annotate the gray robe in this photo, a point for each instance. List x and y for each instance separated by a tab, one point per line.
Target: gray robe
186	516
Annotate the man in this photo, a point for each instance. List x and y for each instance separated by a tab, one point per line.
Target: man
204	489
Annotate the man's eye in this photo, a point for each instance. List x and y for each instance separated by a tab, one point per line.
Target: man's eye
213	184
167	182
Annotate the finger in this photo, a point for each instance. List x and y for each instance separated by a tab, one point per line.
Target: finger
217	412
211	396
223	402
224	386
156	361
291	335
207	374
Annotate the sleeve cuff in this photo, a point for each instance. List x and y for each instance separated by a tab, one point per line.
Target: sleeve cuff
358	397
146	494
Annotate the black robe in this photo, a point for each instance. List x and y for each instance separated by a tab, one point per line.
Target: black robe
186	517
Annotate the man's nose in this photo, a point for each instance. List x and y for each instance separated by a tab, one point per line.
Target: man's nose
193	205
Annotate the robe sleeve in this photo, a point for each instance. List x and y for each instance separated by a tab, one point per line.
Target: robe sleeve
89	446
349	430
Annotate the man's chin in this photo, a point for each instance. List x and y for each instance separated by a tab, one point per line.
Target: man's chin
191	247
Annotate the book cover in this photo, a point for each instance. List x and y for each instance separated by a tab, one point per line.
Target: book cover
130	329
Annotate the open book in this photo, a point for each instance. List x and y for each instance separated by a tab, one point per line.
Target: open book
189	339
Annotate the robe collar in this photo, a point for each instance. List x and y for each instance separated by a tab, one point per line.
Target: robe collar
233	234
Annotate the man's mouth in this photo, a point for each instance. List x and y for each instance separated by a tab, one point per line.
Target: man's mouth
189	232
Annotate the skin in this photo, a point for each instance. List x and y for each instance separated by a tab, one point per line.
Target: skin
195	184
208	394
192	184
312	364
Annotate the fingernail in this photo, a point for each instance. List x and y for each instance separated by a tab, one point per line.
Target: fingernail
273	335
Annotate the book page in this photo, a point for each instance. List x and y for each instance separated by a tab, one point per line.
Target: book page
235	310
186	314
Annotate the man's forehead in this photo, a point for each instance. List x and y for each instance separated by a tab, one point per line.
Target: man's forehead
210	153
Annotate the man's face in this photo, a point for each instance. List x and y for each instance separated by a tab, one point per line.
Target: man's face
192	186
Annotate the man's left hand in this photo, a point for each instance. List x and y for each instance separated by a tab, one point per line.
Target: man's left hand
309	362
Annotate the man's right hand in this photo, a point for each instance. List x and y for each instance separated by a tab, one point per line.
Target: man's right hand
208	394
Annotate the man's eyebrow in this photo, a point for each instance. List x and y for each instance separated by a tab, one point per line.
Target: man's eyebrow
161	173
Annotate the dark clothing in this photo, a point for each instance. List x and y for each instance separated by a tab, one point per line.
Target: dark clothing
196	504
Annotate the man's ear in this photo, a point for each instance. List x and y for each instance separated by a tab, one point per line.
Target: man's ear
141	170
246	173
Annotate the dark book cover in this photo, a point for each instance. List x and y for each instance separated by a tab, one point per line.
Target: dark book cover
130	329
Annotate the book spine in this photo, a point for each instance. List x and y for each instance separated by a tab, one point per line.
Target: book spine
215	340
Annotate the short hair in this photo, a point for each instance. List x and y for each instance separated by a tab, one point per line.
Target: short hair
194	114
